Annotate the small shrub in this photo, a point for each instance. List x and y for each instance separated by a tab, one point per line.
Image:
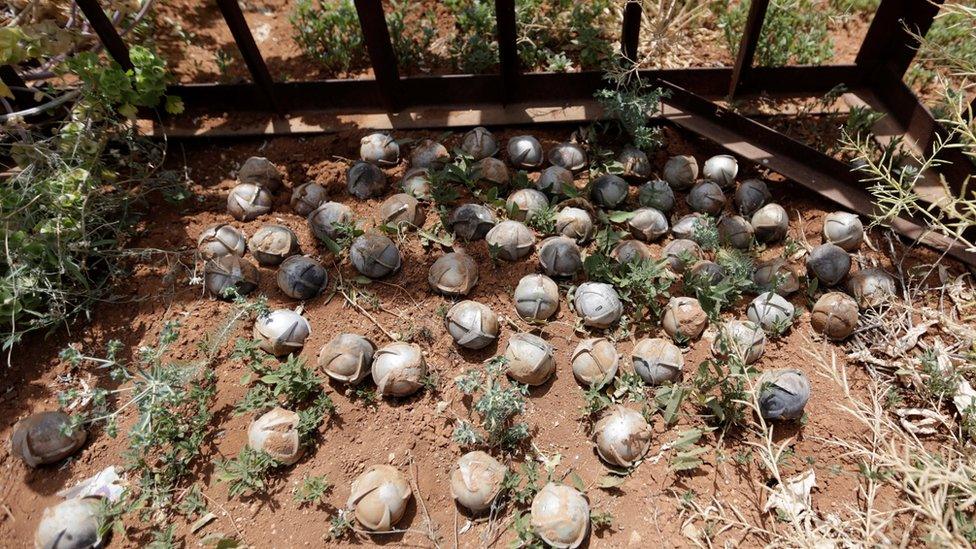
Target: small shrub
497	402
630	105
312	491
247	473
329	31
794	32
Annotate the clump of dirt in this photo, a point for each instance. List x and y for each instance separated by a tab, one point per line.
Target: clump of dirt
413	434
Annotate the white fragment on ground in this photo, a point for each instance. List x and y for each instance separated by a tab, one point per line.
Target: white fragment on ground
107	483
262	32
965	397
920	421
792	497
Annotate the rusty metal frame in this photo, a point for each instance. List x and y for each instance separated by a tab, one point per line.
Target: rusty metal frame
885	55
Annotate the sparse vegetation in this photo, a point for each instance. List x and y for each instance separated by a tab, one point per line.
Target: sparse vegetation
496	405
794	32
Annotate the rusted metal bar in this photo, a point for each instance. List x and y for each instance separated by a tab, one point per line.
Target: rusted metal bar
234	18
380	49
22	98
106	32
630	32
363	95
892	39
809	167
748	44
508	57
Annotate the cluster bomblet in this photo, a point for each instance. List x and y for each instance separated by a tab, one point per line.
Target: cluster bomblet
220	239
560	256
656	194
479	143
783	394
230	274
843	229
399	369
536	297
416	183
525	203
721	169
742	338
307	197
347	358
379	498
271	244
609	191
529	359
492	171
871	287
525	151
380	149
708	271
46	437
595	361
635	164
735	231
281	332
751	195
473	325
471	221
276	432
630	250
511	240
622	436
259	171
365	180
555	180
301	277
776	275
476	481
374	255
706	197
684	319
560	515
828	263
597	304
682	253
686	225
574	223
327	218
681	172
648	224
401	210
770	223
657	361
568	155
453	274
428	153
71	524
771	311
835	315
247	202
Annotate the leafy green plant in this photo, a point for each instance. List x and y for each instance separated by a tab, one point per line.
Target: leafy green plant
496	402
172	403
71	190
312	491
473	49
329	31
715	297
720	387
631	104
247	472
412	42
642	284
794	32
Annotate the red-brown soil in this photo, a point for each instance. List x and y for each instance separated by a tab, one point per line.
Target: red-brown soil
410	434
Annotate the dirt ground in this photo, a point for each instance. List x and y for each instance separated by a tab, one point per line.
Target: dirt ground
410	433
